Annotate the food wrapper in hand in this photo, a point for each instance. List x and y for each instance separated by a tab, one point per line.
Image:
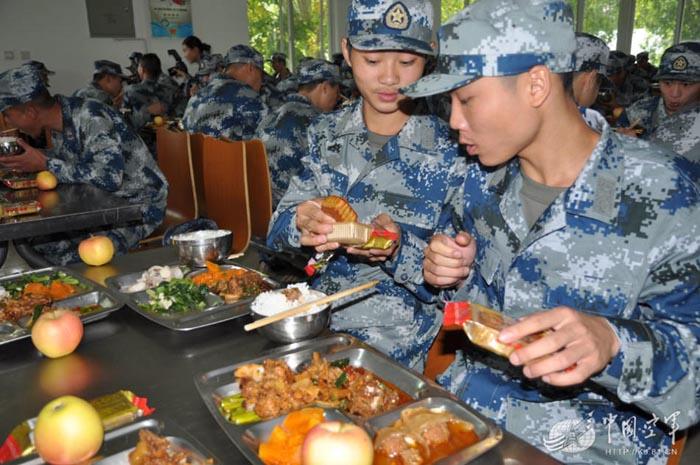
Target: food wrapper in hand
483	325
115	410
380	239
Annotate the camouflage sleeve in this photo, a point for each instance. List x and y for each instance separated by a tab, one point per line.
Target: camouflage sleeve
283	232
101	161
245	116
407	267
657	367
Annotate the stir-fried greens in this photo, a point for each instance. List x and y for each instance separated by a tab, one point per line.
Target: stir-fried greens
177	295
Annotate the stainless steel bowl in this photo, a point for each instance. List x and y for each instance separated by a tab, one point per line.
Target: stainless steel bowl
196	252
9	146
298	328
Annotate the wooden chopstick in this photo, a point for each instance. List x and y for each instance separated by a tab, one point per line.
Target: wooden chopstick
305	307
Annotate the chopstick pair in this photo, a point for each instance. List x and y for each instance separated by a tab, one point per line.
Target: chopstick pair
307	306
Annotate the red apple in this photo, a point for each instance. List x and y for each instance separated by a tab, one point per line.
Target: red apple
57	333
45	180
96	250
337	443
68	431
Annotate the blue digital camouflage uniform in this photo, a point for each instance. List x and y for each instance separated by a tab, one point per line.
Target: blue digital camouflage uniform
226	107
681	133
138	97
633	88
284	132
95	147
621	242
412	178
93	90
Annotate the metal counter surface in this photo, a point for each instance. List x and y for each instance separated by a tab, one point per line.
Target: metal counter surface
126	351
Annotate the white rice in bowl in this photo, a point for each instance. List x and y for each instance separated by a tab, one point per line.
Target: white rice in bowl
273	302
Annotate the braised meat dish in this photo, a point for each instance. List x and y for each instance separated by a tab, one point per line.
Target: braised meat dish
232	284
421	437
155	450
272	389
13	310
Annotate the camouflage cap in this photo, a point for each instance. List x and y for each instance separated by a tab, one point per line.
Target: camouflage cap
20	85
391	25
617	60
591	53
40	66
109	67
210	64
318	70
243	54
681	63
291	84
500	38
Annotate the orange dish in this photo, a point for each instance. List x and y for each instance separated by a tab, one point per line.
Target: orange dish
284	444
232	284
56	290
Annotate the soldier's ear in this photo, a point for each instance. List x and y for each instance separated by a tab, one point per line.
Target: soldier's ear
538	85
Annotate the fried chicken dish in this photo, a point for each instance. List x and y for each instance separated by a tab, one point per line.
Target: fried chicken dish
273	389
155	450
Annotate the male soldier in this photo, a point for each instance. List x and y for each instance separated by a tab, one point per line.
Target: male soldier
91	144
230	105
673	118
591	62
146	98
284	131
628	87
43	70
279	64
107	84
644	68
397	168
589	241
210	66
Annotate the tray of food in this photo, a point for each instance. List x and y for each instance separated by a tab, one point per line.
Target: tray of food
269	404
183	300
49	288
146	442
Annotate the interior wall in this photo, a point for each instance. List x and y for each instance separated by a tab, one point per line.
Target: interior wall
56	32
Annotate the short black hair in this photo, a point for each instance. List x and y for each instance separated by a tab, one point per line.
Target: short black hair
311	86
567	80
151	64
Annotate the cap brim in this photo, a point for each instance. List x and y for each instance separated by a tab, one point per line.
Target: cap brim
434	84
676	77
379	42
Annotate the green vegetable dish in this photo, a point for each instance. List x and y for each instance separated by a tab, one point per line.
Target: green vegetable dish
176	296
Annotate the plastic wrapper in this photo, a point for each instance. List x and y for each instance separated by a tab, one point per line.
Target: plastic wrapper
115	410
483	325
8	210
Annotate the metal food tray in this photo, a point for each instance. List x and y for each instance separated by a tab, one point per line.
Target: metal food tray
217	384
119	443
92	294
216	312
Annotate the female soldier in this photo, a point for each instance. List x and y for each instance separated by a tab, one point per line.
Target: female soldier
397	168
195	51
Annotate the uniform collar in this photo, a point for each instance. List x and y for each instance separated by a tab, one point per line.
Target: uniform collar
296	97
354	124
596	192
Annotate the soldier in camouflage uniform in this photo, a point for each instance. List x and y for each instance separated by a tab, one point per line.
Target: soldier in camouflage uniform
230	106
43	70
628	87
672	118
106	85
397	169
146	98
593	240
591	62
91	144
284	131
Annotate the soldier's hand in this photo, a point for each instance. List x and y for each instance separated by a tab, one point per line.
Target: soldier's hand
627	132
381	222
30	161
576	346
314	225
448	261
